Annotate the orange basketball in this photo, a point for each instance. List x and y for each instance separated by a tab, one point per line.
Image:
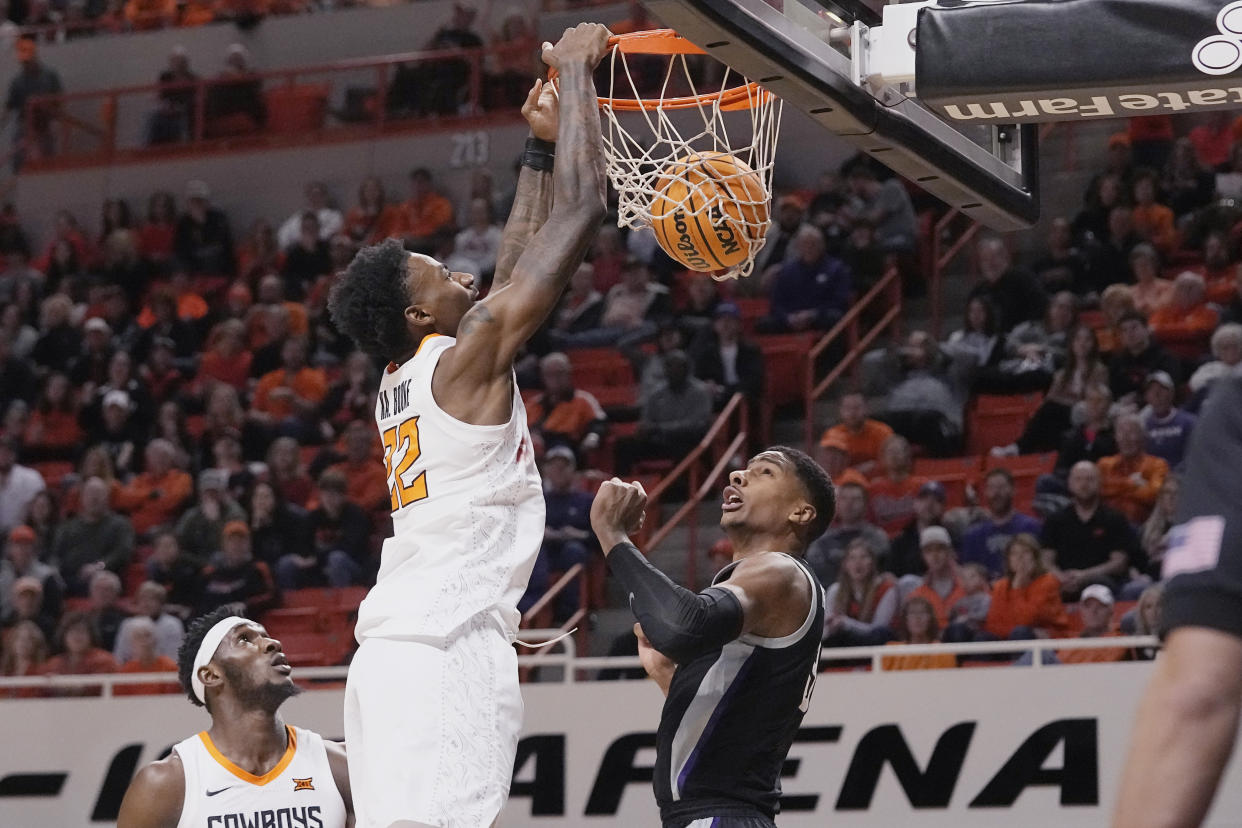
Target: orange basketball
710	211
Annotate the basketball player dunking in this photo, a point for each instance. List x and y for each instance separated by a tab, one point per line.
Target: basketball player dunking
250	768
736	661
432	706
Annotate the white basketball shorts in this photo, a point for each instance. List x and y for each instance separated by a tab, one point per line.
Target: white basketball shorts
431	728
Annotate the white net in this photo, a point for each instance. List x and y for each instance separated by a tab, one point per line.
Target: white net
652	136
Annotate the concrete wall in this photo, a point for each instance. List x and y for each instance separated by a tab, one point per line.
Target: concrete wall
107	61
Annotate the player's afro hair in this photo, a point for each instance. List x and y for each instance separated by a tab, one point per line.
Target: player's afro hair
193	639
368	302
818	486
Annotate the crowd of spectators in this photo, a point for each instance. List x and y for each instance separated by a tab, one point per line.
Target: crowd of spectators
1122	319
184	427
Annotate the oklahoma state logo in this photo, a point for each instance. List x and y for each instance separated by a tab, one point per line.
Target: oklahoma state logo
303	784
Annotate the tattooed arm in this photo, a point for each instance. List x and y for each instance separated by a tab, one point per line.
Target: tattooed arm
473	381
533	200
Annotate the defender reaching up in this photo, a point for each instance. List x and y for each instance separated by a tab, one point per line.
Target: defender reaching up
432	707
736	661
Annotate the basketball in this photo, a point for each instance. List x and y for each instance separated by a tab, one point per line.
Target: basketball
710	211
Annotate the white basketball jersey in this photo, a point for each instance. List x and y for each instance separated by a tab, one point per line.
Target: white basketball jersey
298	793
467	511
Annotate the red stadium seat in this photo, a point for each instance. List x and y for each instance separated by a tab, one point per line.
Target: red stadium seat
752	309
310	597
297	109
600	366
997	420
280	622
784	362
614	396
1186	346
307	649
348	598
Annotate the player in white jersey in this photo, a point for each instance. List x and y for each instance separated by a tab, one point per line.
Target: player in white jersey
432	707
250	768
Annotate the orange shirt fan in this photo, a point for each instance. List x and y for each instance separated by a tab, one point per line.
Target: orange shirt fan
694	166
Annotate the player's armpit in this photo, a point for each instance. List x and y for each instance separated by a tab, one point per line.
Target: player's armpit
774	593
155	797
493	332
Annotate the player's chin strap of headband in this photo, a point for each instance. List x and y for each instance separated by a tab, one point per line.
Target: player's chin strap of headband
206	650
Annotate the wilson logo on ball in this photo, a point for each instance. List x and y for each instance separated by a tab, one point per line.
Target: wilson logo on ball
710	211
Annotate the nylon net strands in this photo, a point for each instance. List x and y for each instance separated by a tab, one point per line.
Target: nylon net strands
695	166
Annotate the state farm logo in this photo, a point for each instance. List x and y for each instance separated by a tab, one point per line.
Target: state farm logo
1220	54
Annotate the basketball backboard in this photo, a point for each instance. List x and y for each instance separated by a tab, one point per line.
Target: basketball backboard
800	50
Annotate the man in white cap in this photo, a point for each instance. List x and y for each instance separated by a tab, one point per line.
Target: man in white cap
1096	610
249	767
941	587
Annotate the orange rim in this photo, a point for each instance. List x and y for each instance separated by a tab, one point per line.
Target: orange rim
668	42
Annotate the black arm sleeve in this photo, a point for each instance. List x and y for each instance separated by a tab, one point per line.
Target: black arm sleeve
679	623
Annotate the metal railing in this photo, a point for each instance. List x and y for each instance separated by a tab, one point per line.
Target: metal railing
944	251
885	293
576	668
726	436
346	100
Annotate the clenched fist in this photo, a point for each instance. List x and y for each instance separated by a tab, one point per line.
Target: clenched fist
617	511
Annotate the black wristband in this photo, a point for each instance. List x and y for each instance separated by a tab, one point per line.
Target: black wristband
539	154
540	145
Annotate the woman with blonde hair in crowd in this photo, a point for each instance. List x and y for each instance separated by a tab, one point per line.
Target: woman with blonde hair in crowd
1144	619
917	625
1083	369
259	254
80	654
1153	538
225	359
96	462
43	517
863	601
373	219
286	472
1115	302
25	654
223	416
1149	290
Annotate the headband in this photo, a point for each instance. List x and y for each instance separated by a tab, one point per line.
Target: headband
207	650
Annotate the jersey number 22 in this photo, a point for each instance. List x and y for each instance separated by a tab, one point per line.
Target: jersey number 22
402	494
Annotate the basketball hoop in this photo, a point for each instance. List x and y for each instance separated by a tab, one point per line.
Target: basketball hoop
642	157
